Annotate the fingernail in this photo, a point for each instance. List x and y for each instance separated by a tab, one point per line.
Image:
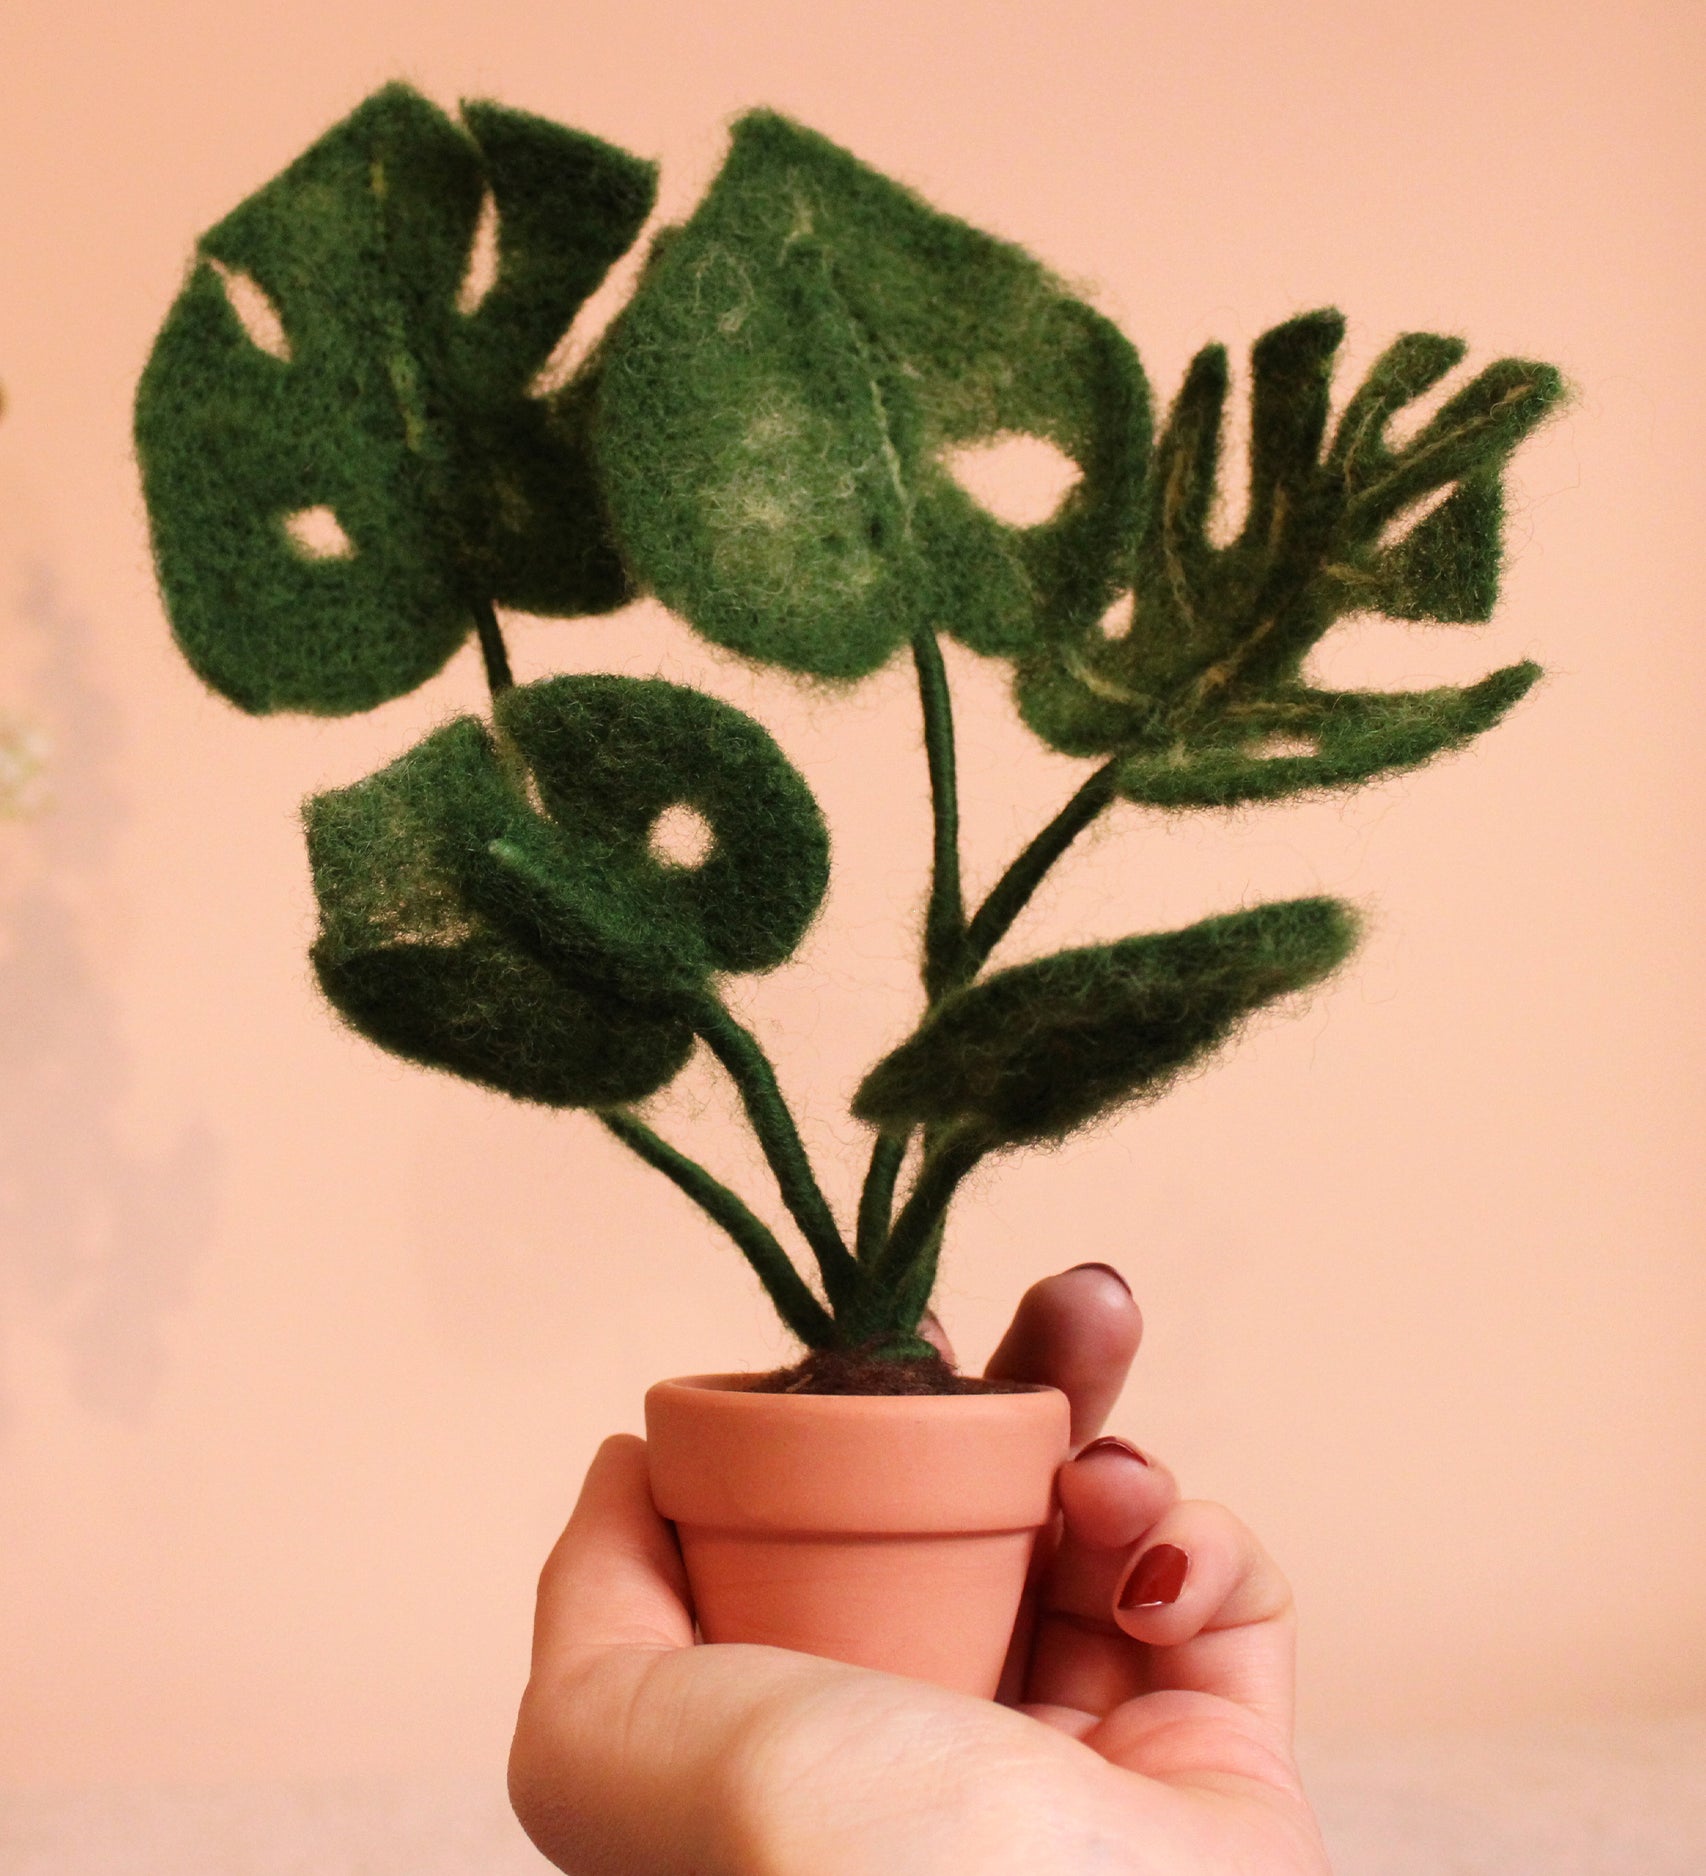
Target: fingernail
1108	1443
1107	1270
1156	1579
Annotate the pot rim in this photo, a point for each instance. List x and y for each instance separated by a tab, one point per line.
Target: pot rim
723	1456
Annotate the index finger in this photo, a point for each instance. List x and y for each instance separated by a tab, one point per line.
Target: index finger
1079	1332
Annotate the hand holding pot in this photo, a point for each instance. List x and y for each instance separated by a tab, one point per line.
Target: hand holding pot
1148	1723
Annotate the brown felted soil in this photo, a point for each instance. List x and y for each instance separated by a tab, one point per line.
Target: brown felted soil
840	1371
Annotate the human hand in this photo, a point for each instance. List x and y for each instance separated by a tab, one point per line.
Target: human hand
1153	1740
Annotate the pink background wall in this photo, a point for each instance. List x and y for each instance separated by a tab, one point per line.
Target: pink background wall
302	1353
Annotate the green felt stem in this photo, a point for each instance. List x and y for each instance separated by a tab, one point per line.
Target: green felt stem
493	651
755	1081
876	1198
783	1284
945	921
1012	892
905	1272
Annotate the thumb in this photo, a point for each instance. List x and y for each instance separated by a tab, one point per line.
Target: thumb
614	1579
625	1759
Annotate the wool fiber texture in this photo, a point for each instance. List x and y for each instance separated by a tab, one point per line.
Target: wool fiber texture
547	950
778	397
1202	691
383	405
1033	1052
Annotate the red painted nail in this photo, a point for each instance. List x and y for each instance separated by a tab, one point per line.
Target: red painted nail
1109	1443
1107	1270
1156	1580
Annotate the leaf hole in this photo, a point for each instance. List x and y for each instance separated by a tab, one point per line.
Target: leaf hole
1280	746
1020	480
1411	516
588	325
1408	421
682	837
481	273
317	534
254	311
1229	506
1116	622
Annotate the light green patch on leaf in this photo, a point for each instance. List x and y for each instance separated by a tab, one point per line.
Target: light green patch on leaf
778	400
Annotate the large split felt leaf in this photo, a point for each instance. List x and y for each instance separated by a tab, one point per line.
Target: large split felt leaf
1202	691
340	454
1032	1052
499	911
780	398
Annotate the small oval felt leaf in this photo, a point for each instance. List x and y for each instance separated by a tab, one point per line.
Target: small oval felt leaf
783	396
1033	1052
317	358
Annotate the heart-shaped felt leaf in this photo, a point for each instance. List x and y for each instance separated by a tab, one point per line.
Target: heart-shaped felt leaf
340	454
546	949
1030	1053
1207	672
779	400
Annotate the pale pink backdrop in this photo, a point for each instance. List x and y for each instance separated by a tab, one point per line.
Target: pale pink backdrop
302	1353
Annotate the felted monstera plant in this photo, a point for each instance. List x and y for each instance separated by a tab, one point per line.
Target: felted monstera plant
349	468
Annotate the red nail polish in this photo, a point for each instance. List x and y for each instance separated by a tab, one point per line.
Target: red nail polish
1107	1270
1109	1443
1156	1580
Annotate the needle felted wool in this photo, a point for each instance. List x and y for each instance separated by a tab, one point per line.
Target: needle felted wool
548	951
1032	1052
1206	677
380	411
777	399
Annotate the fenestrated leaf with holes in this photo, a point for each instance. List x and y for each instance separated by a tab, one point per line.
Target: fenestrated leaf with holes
1197	688
340	463
780	398
548	950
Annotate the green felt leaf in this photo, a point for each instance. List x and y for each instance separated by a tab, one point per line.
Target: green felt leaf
1032	1052
413	962
1300	740
496	908
780	397
1446	567
1209	665
611	754
395	417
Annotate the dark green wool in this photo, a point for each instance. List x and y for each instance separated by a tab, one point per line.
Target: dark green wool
777	399
548	951
406	418
1033	1052
1201	694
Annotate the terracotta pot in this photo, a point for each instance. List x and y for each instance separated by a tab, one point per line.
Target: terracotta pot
889	1532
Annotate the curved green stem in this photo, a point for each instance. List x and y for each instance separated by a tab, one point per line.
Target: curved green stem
493	651
906	1268
876	1198
945	920
1012	892
784	1285
755	1080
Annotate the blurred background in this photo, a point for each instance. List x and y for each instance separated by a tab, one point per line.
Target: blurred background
303	1352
